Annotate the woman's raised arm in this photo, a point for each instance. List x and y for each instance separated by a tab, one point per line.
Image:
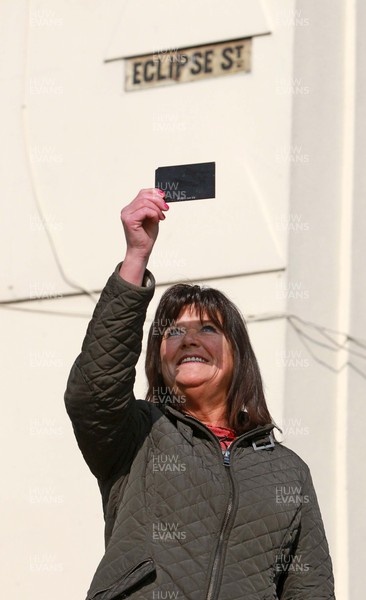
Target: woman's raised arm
108	423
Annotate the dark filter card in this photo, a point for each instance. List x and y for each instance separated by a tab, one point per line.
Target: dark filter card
186	182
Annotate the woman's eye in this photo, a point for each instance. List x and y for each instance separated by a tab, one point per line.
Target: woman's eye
208	329
181	331
174	331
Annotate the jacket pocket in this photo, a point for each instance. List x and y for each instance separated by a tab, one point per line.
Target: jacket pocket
126	584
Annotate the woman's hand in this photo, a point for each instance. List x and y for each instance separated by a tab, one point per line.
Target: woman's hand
140	220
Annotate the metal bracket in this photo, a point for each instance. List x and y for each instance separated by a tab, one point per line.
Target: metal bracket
268	443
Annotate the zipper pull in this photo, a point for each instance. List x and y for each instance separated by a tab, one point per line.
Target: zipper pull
227	458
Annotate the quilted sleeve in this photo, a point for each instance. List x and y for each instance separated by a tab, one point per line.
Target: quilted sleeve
309	574
99	398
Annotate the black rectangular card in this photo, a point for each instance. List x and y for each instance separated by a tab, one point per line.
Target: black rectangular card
186	182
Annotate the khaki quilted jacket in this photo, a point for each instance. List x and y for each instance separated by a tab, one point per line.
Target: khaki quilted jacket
182	521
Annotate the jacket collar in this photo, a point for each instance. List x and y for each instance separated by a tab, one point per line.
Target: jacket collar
261	437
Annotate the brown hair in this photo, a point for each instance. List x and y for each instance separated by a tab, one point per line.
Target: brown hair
246	404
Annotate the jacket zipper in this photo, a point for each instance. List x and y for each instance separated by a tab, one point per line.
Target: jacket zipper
224	527
226	461
212	593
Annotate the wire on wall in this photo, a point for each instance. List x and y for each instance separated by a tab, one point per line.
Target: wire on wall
304	337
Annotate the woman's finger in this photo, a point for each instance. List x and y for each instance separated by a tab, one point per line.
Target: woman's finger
146	212
132	211
149	195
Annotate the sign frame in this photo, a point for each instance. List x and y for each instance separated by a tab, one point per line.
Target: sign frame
184	65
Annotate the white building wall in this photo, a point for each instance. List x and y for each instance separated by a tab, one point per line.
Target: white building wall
355	475
313	388
328	125
76	148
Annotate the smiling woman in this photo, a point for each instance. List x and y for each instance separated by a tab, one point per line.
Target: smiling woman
201	356
200	501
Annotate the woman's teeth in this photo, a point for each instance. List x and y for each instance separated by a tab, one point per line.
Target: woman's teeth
192	359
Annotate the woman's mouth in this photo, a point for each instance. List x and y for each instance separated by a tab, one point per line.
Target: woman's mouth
193	358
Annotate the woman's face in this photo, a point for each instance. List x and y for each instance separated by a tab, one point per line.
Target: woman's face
196	354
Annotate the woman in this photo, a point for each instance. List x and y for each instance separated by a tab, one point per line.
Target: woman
200	502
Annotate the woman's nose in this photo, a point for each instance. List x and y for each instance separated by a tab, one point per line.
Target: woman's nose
190	337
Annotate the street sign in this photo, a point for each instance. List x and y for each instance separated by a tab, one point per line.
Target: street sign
169	67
